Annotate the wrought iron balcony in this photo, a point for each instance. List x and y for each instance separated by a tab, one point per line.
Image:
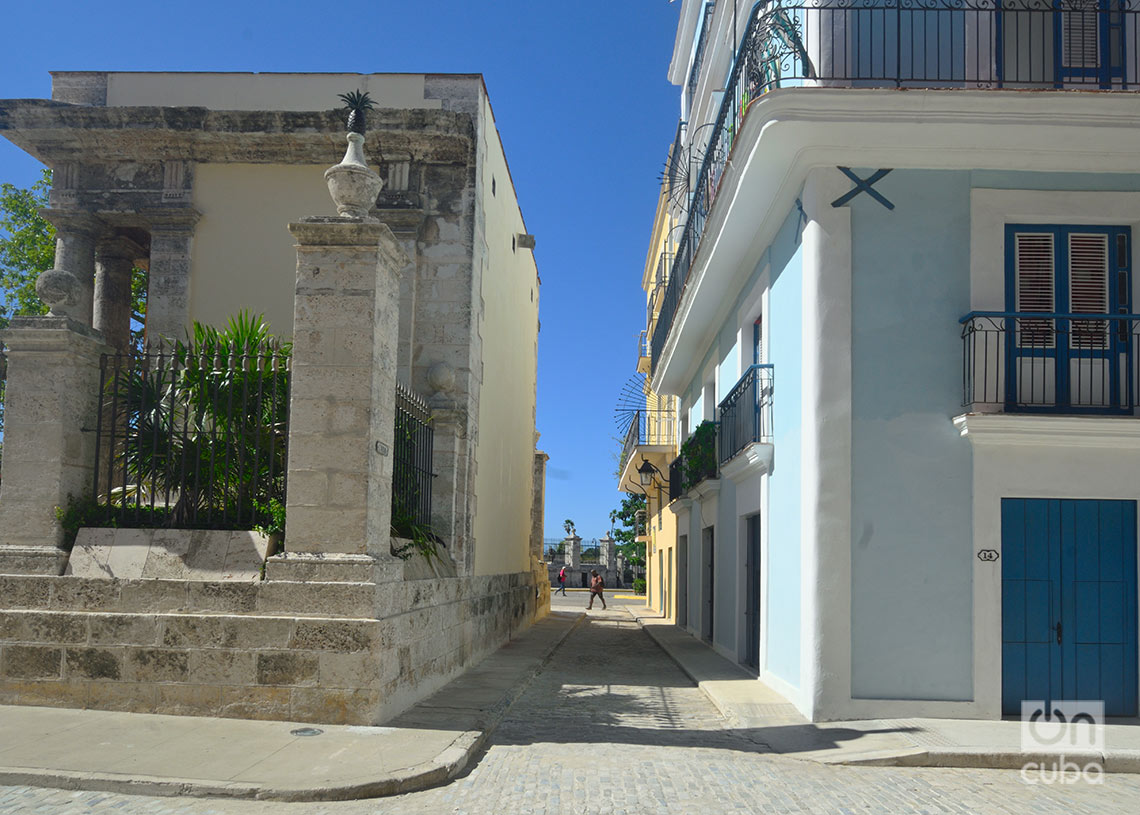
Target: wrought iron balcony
649	427
699	56
696	463
903	44
1031	362
653	303
746	413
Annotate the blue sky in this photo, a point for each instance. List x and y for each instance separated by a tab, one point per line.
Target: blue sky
585	112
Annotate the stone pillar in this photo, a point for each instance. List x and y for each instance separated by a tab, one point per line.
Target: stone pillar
453	482
342	404
168	286
50	412
114	260
68	288
608	555
573	544
538	503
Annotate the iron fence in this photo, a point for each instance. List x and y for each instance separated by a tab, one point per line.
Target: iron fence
746	413
1051	362
192	437
1014	44
412	461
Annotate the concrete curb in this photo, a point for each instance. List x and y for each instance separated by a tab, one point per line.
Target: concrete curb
444	767
961	756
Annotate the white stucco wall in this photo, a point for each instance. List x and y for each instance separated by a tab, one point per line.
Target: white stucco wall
509	332
243	255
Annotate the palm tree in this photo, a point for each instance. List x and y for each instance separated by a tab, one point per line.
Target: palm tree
204	428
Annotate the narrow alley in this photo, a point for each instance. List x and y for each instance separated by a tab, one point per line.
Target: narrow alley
611	725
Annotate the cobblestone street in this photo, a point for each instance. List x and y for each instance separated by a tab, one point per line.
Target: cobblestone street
612	726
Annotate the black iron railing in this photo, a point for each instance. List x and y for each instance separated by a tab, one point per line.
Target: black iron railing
746	413
192	437
657	427
676	467
412	461
903	44
660	280
697	461
699	56
1051	362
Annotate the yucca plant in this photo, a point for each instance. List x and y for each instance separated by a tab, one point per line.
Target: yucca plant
206	427
357	104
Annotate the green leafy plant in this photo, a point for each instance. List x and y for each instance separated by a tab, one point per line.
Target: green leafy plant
568	525
420	539
218	417
80	511
639	586
357	104
698	456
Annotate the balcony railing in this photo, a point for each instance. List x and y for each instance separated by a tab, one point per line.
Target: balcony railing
696	463
746	413
1051	362
653	304
904	44
699	56
649	427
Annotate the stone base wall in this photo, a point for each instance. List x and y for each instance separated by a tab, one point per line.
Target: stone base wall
359	654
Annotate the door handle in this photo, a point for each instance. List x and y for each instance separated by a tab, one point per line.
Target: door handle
1058	633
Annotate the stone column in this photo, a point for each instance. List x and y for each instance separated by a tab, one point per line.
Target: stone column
538	503
50	412
68	288
168	283
114	260
573	545
453	482
609	552
342	404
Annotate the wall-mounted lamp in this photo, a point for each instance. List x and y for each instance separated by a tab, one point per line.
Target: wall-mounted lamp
647	473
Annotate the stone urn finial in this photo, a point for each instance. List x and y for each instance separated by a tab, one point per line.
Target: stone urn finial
61	291
352	184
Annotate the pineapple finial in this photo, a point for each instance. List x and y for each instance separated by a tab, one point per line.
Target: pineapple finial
356	103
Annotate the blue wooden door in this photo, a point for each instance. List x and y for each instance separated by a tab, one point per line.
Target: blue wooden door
1069	602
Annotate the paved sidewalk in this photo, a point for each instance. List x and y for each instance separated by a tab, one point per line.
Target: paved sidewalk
194	756
751	705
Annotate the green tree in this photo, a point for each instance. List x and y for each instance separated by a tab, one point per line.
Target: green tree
568	525
625	533
27	247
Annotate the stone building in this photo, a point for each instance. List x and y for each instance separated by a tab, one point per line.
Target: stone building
212	183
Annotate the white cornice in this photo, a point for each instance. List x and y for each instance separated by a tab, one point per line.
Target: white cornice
755	458
790	130
1034	430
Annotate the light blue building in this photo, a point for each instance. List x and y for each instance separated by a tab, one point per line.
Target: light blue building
903	290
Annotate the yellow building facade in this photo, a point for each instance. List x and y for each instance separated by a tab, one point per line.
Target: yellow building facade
650	444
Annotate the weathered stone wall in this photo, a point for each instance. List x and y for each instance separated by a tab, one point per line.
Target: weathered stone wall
363	653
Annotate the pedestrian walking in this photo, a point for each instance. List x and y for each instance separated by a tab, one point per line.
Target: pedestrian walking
561	581
597	589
